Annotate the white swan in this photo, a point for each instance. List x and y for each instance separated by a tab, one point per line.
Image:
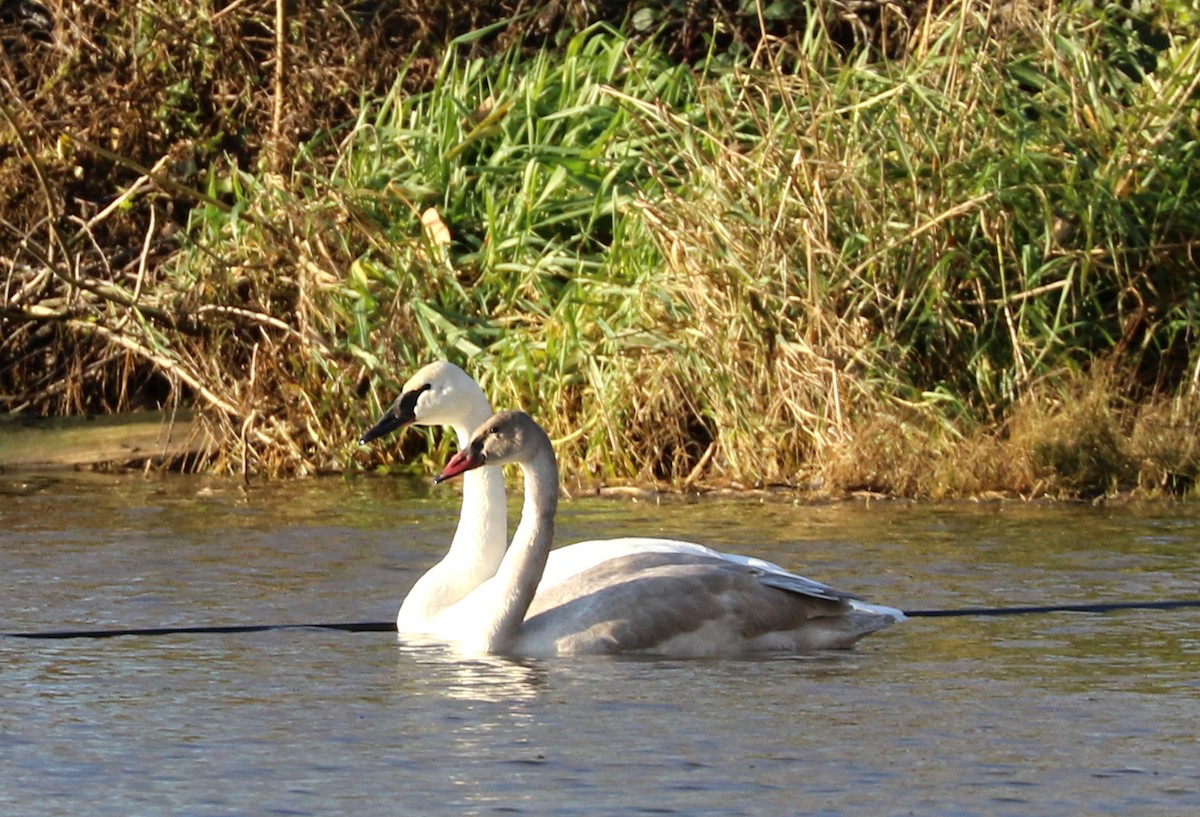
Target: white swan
663	603
443	394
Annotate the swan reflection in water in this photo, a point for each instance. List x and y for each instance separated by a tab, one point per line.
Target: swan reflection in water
445	671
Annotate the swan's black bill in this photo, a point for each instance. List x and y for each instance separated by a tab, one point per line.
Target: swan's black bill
402	413
386	425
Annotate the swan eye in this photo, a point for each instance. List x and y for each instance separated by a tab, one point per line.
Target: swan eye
407	404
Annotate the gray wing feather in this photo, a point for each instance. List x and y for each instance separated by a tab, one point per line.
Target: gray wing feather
640	601
805	587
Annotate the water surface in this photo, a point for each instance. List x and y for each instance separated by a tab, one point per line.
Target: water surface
1064	714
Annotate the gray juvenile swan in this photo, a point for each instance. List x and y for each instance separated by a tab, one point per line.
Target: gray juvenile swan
443	394
661	603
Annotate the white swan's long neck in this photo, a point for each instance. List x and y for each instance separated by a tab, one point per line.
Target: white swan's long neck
521	570
482	532
478	544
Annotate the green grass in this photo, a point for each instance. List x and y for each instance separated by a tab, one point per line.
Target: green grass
813	266
737	274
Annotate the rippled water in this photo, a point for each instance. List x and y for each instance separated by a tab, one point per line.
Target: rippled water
1063	714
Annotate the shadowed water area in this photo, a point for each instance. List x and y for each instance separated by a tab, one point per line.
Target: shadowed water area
1054	714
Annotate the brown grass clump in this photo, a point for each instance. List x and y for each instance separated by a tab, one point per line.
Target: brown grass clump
1077	439
914	453
1079	436
1085	437
1165	442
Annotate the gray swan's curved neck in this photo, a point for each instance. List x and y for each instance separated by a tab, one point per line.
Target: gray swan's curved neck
521	569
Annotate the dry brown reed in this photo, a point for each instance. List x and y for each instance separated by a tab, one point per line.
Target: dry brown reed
950	255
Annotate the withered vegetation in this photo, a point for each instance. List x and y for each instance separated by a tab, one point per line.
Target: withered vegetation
928	250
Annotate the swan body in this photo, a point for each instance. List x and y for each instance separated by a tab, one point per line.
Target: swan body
438	605
682	601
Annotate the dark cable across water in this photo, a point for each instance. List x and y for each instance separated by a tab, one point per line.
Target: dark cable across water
1099	607
390	626
346	627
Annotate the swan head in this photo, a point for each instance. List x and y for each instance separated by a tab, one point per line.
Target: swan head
438	394
510	436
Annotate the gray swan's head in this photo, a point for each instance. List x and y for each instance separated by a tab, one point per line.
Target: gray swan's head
507	437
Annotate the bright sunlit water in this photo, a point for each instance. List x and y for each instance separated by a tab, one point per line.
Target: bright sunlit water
1062	714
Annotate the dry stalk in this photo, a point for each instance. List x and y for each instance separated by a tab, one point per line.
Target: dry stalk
163	363
262	318
164	180
51	221
277	142
138	186
953	212
141	275
247	424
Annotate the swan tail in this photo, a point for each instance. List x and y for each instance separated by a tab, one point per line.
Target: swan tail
892	615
